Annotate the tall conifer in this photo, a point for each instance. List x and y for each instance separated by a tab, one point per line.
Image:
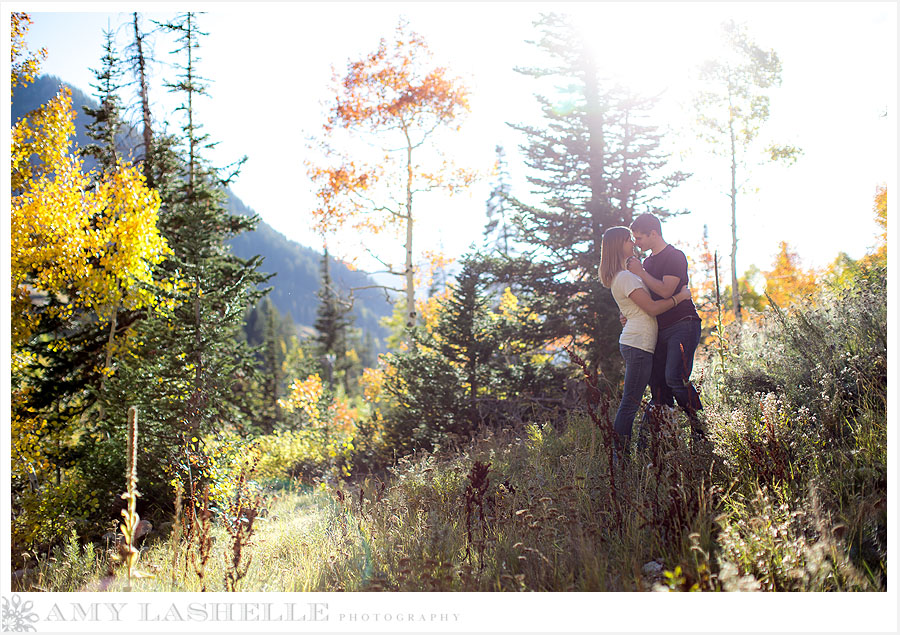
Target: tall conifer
497	229
332	325
596	162
189	359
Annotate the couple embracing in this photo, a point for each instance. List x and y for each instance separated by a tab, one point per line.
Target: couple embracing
661	326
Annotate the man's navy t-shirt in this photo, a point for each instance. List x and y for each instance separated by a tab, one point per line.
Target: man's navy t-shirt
671	262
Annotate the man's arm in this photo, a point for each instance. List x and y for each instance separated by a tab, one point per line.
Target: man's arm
664	288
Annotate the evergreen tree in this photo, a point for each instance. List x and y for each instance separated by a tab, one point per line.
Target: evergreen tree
497	230
106	124
597	163
465	336
271	372
189	360
474	365
331	327
269	334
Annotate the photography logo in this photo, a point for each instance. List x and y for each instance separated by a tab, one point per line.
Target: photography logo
18	616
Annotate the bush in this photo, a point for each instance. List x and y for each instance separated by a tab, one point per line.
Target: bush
803	418
471	365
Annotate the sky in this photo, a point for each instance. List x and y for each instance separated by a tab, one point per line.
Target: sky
270	64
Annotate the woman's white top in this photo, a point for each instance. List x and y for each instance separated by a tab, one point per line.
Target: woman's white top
640	329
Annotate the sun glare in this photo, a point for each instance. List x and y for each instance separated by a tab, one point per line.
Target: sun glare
651	48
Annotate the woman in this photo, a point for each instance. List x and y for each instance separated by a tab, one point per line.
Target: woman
638	339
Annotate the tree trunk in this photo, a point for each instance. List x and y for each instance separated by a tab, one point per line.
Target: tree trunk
735	291
599	203
109	346
145	102
410	278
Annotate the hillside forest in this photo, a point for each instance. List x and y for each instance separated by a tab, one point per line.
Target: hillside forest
199	404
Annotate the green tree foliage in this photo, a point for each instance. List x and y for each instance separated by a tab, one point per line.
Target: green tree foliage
332	325
474	363
106	123
187	364
597	163
272	335
731	110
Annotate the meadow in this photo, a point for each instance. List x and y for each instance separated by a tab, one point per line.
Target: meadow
787	493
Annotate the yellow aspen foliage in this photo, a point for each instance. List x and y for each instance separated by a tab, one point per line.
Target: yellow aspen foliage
372	382
24	64
509	304
429	309
91	239
305	396
29	456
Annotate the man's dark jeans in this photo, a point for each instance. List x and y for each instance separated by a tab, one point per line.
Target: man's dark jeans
638	365
673	362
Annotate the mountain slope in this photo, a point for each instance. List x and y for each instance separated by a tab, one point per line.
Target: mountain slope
296	267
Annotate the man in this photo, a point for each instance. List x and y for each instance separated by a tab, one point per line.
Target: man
665	272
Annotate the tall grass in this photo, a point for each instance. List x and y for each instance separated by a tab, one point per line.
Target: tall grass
787	494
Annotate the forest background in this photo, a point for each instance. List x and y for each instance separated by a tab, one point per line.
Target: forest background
216	377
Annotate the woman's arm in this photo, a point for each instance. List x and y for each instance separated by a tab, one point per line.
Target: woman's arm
654	307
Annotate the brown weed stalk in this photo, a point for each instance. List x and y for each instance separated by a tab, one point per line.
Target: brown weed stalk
475	491
243	513
129	552
201	531
177	530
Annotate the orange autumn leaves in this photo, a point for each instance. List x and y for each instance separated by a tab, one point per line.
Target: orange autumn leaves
393	99
393	86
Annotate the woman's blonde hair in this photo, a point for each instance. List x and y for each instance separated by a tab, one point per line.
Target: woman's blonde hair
611	259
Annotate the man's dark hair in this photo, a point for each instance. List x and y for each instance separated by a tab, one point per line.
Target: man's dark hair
646	223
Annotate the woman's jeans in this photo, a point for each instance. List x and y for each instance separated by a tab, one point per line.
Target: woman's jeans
637	374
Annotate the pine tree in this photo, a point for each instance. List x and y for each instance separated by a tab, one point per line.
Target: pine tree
497	229
331	326
266	332
473	364
106	125
597	162
466	336
189	360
